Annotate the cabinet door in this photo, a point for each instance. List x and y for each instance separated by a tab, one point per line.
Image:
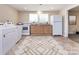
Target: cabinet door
47	30
36	29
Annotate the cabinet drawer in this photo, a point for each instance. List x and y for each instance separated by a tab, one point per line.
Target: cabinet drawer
49	34
47	27
36	31
34	27
47	31
36	34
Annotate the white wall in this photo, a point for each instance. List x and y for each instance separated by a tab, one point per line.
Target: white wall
64	13
8	13
24	16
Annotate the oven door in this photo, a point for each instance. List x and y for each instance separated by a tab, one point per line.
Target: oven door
26	30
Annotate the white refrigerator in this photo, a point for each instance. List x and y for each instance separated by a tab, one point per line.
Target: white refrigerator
56	22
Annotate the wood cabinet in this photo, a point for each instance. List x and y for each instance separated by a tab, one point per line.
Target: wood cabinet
41	30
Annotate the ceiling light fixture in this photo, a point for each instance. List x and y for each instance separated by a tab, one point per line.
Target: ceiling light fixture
52	8
41	4
39	12
25	8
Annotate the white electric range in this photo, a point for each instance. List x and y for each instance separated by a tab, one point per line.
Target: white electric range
26	29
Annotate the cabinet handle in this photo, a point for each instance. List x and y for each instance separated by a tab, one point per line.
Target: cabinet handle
4	35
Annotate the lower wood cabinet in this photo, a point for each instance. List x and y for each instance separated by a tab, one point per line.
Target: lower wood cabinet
41	30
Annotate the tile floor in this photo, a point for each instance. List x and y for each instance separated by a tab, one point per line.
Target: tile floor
74	37
45	45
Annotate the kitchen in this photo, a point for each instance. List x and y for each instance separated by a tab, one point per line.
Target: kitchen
38	19
40	23
31	22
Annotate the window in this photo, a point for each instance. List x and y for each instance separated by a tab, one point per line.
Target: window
41	18
33	18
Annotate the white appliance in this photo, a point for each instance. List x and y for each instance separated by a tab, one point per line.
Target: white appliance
26	29
56	22
9	35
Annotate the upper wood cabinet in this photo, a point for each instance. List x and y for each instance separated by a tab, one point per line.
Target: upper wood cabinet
41	30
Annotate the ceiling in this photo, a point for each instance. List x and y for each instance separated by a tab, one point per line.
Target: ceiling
75	9
41	7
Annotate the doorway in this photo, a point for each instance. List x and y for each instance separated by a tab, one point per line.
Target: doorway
73	24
